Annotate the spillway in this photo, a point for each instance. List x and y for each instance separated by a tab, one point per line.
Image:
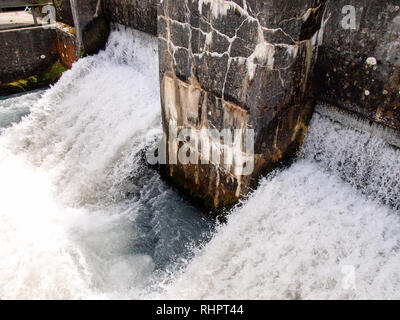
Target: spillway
82	217
325	228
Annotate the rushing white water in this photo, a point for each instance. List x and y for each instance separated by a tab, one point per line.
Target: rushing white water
12	109
82	217
306	233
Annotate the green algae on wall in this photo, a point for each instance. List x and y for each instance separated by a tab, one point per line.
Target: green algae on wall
48	77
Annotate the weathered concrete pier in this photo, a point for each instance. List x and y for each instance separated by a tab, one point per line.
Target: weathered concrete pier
262	65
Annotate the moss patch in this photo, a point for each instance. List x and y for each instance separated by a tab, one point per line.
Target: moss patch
49	76
19	85
72	31
54	73
81	53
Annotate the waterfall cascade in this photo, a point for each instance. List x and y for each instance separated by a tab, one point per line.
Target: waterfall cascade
80	215
327	227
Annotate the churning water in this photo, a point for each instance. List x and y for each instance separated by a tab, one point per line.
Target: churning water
12	109
82	217
317	230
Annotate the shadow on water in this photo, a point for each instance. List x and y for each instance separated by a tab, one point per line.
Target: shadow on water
169	226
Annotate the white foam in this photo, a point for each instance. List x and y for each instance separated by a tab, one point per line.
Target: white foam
105	95
358	154
12	109
293	240
63	232
306	233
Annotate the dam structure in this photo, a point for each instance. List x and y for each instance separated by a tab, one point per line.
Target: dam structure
262	65
258	67
128	126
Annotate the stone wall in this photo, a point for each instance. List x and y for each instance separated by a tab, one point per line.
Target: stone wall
83	11
88	20
137	14
64	11
249	65
67	45
25	52
236	65
358	68
91	18
35	57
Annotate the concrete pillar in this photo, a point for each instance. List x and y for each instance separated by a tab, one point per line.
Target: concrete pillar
91	27
235	65
64	11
